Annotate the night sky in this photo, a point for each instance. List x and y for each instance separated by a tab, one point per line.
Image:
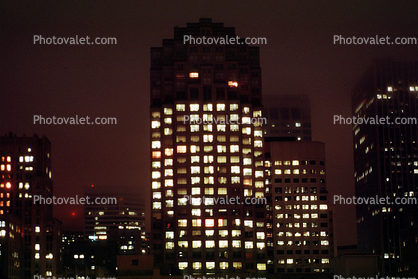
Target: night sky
113	80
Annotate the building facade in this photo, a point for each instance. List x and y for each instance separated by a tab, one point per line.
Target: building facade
386	164
119	218
302	228
25	174
205	148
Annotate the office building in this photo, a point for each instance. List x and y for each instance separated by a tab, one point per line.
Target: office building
288	117
205	147
386	164
25	169
302	229
119	218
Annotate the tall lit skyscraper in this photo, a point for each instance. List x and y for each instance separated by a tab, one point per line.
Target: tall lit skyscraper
25	172
302	221
198	95
386	164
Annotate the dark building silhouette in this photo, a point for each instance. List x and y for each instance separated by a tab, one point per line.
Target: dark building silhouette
288	117
386	164
25	178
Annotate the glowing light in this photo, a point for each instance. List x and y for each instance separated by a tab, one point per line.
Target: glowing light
193	75
232	83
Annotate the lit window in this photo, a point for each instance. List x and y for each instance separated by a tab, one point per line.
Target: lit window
156	185
223	244
181	149
248	245
236	243
155	124
194	128
261	266
210	244
182	222
156	144
168	111
193	75
220	107
232	83
235	169
196	212
181	107
168	152
183	265
156	174
169	183
169	245
207	107
197	265
194	107
222	191
248	223
196	244
246	120
210	265
246	131
207	138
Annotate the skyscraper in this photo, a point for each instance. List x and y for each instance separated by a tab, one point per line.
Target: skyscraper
302	221
206	147
386	164
25	173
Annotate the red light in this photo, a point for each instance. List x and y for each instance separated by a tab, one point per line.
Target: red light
73	214
92	185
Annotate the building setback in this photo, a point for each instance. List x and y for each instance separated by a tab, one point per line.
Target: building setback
201	154
386	164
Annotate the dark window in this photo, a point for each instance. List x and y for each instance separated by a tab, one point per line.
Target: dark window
295	113
207	93
220	93
284	113
194	94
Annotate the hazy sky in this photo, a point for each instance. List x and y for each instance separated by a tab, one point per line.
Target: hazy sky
113	80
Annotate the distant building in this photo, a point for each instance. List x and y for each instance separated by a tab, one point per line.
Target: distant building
288	116
386	165
120	219
25	169
302	228
85	257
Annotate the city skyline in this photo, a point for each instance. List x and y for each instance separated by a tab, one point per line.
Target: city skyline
48	80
